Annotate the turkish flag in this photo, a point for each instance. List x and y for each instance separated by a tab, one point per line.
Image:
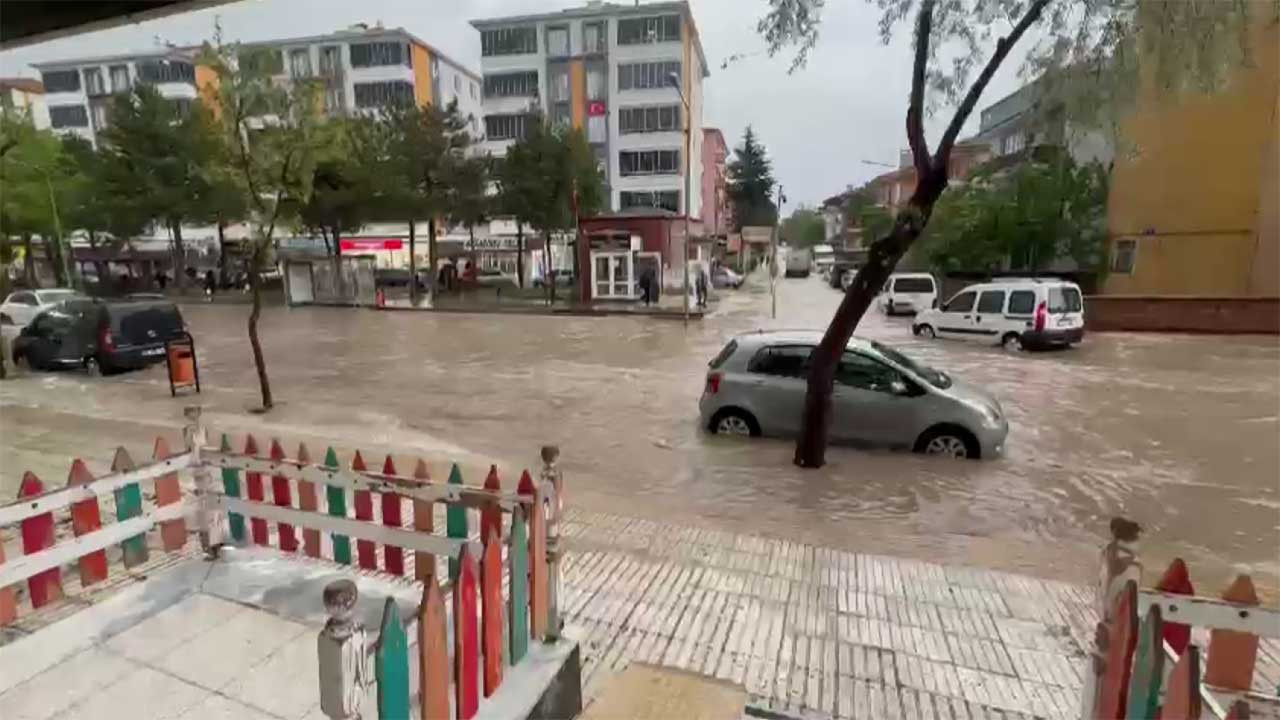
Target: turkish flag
595	108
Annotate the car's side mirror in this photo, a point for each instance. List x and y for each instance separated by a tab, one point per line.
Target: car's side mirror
898	387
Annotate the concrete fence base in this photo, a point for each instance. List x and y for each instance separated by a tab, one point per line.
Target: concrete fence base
1194	314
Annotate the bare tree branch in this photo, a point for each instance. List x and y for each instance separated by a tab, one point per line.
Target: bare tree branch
915	109
1003	46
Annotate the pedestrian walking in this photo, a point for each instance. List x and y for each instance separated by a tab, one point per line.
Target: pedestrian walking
701	286
646	285
210	285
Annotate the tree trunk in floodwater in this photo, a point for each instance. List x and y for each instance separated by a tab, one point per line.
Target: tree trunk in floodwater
519	253
260	362
413	263
882	258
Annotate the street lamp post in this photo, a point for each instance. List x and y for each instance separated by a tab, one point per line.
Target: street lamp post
673	79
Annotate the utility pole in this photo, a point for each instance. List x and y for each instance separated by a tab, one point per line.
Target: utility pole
673	79
773	255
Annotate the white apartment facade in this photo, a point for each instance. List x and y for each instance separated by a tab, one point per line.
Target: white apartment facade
362	68
604	68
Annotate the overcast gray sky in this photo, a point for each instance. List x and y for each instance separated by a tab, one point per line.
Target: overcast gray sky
818	124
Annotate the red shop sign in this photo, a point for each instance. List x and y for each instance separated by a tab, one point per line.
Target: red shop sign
595	108
371	244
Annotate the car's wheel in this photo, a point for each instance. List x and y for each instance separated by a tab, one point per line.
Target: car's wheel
733	421
949	441
1011	341
924	331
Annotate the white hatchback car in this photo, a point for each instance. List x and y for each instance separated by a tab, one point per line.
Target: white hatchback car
908	293
1014	312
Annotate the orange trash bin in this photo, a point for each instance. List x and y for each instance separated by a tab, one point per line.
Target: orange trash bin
180	356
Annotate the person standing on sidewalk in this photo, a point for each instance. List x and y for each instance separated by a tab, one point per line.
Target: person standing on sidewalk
701	286
210	285
646	286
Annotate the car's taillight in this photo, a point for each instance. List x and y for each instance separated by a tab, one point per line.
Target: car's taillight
1042	314
713	383
105	341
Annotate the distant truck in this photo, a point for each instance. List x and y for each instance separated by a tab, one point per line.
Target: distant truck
797	262
824	256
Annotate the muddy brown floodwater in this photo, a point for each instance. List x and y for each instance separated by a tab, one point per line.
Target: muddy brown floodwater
1177	432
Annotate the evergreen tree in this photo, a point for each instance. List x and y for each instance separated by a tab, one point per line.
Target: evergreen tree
751	183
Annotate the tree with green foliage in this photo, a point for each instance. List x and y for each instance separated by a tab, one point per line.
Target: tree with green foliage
33	174
100	199
271	137
804	228
161	150
350	185
1021	218
751	183
1181	44
428	146
547	180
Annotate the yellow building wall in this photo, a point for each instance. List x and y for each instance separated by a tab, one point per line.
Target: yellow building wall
421	75
207	83
1188	183
578	93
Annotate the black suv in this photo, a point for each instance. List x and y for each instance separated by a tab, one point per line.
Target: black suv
98	334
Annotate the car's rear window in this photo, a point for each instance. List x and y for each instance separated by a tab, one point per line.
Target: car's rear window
723	355
913	285
146	323
1064	299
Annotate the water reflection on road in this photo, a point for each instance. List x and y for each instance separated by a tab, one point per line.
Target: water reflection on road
1178	432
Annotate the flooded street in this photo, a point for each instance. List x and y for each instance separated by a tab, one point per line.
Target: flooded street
1178	432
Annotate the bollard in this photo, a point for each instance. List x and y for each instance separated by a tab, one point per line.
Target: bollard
345	672
553	478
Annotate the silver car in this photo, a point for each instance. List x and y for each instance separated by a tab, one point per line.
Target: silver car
757	384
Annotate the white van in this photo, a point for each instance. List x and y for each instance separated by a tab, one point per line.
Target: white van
908	293
1014	312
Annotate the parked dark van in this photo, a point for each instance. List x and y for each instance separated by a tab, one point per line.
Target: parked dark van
99	335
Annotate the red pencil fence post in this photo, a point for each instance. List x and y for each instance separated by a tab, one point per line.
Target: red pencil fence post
257	493
309	501
1233	654
465	642
366	550
491	515
37	535
491	605
392	557
86	518
173	533
424	563
282	496
8	599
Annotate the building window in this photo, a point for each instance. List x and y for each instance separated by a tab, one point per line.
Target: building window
558	42
98	112
655	118
457	84
473	90
642	76
562	114
509	41
644	30
649	162
378	54
300	63
665	199
334	100
1122	261
597	129
119	78
166	71
379	94
505	127
93	84
517	84
330	60
560	85
593	37
1013	143
61	81
258	60
595	83
63	116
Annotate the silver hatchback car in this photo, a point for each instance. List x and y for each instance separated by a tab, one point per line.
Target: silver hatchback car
757	384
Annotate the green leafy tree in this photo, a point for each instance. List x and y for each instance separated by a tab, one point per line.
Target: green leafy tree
32	174
804	228
428	146
469	201
751	183
1022	218
272	138
100	199
349	187
162	149
1186	43
547	180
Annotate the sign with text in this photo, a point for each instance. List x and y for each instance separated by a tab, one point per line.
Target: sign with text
371	244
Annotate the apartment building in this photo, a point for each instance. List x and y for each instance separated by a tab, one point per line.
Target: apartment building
605	68
363	68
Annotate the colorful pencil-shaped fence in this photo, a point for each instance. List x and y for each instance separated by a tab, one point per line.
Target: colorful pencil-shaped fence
1144	664
38	510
